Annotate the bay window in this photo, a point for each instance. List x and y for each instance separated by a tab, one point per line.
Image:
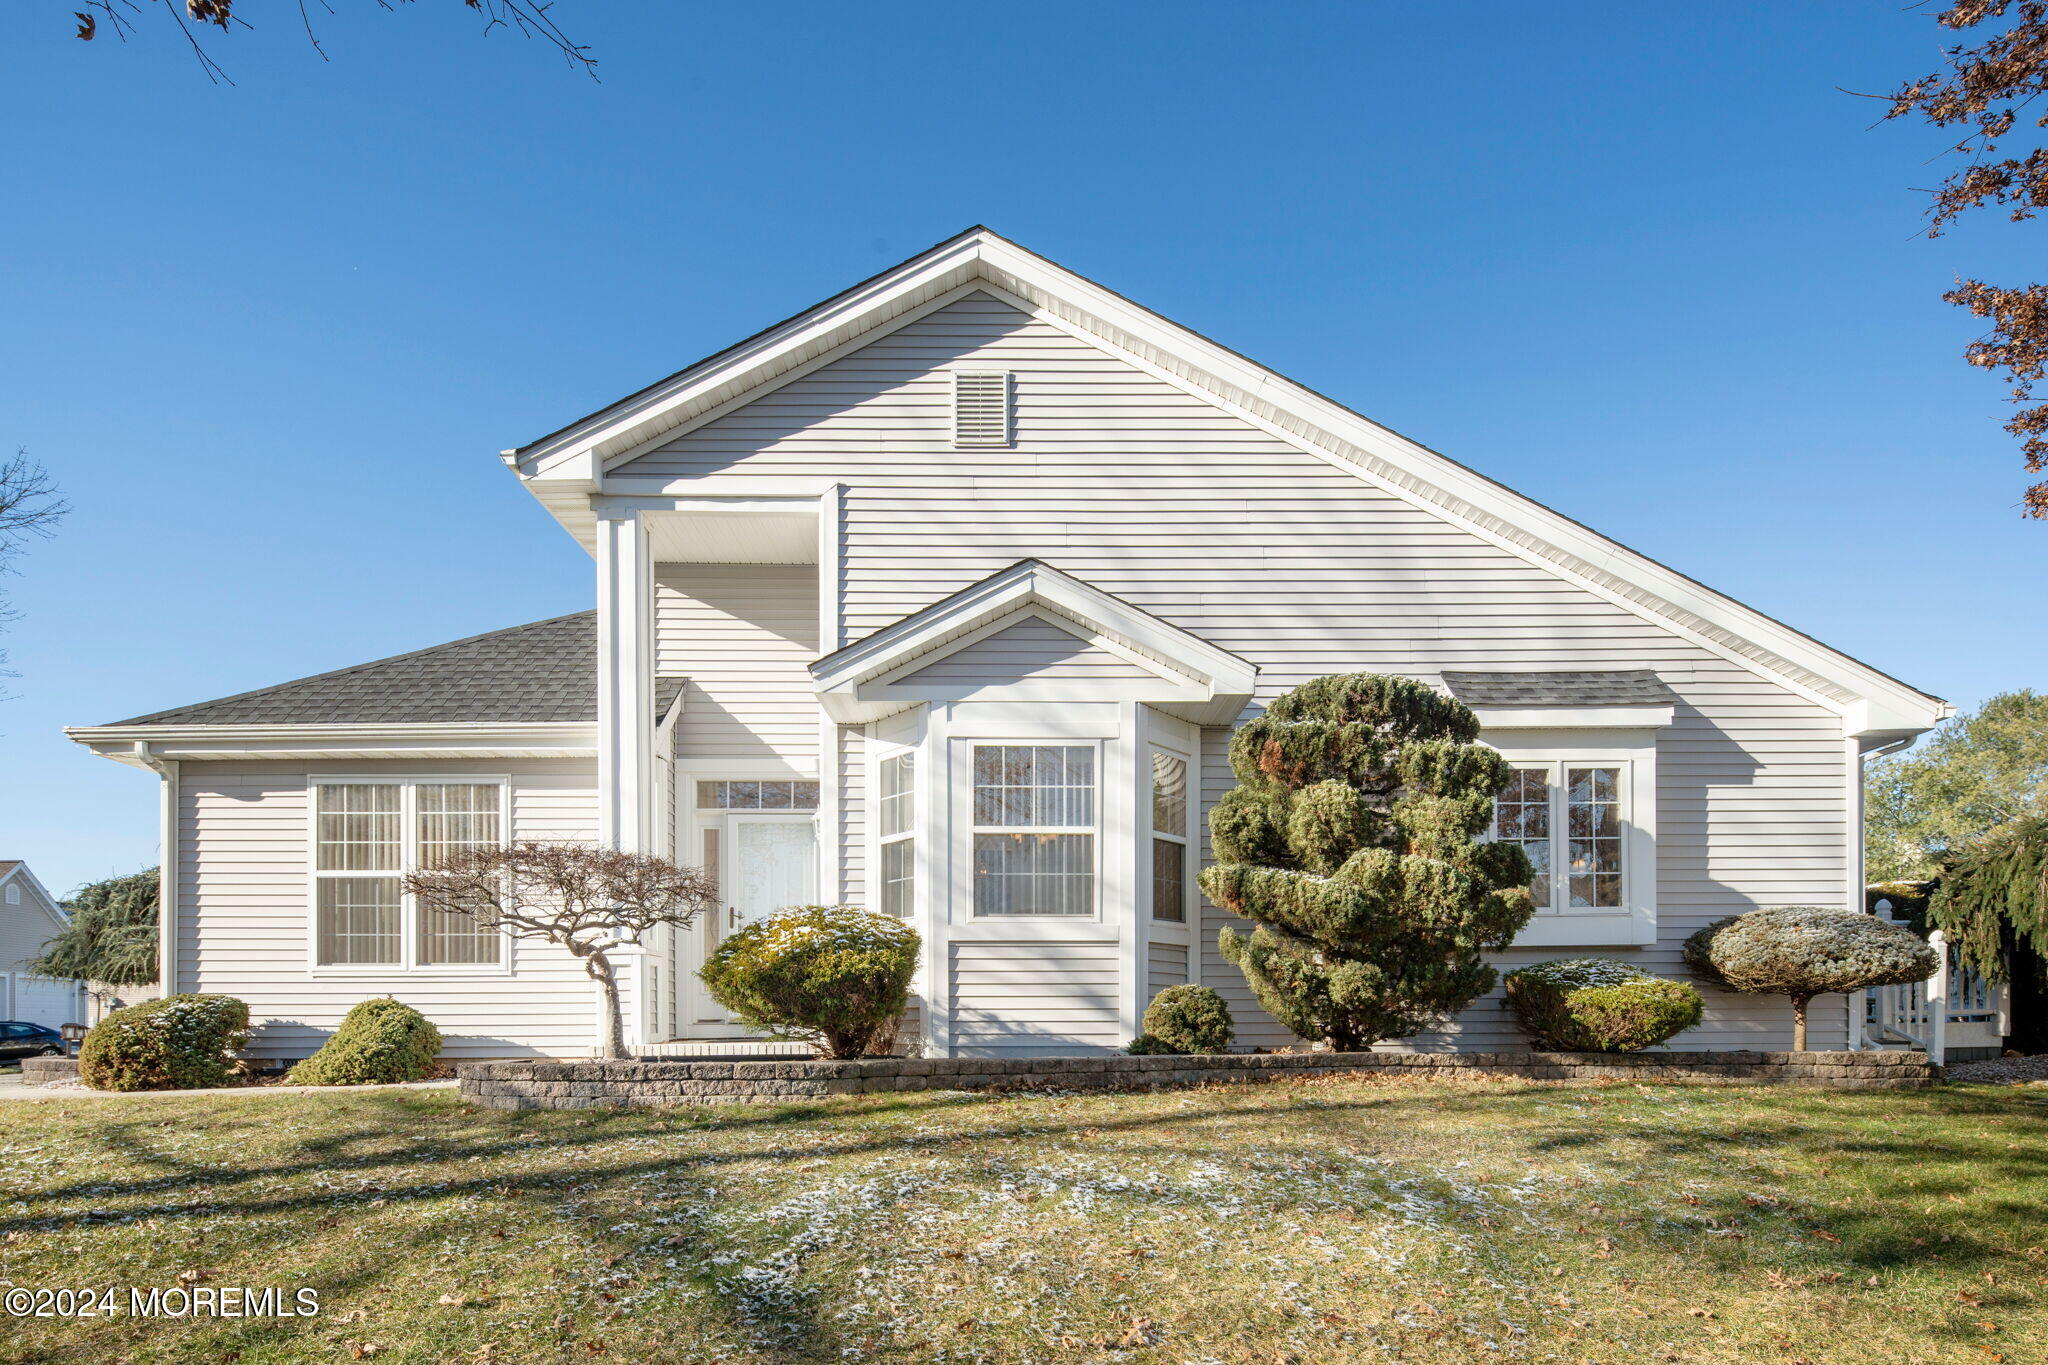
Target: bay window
1034	829
366	835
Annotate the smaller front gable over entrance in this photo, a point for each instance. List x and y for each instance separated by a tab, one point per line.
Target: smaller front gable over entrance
1032	632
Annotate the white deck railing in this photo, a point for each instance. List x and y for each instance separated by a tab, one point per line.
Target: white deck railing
1952	1008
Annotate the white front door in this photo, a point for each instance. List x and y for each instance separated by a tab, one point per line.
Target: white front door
767	861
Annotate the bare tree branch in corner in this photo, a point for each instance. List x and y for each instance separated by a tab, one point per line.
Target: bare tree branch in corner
30	508
528	18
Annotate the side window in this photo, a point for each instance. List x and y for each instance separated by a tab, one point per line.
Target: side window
896	812
1169	837
1568	817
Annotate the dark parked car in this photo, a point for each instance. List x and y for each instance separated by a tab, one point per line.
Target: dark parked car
18	1040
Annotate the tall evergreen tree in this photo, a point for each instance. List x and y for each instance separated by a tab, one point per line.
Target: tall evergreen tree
112	935
1352	844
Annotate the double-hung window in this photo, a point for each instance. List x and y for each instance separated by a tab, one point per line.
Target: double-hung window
896	811
366	836
1169	837
1568	817
1034	829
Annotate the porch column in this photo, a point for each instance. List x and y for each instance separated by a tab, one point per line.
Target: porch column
625	682
625	721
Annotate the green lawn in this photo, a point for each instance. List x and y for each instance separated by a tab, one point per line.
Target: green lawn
1311	1221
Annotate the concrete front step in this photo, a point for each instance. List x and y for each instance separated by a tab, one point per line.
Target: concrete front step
722	1049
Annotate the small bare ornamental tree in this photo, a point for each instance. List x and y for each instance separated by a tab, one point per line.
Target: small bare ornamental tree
592	901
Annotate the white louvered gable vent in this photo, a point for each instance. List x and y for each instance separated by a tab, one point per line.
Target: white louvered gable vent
981	408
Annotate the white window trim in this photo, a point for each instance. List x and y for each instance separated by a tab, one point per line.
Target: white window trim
913	830
1185	836
408	963
1634	922
1098	830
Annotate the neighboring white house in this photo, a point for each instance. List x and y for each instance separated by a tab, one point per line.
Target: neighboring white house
942	597
29	918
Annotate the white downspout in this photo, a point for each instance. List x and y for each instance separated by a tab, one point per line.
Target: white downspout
167	866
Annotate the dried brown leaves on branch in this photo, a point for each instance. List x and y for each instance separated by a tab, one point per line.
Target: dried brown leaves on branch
529	18
1988	95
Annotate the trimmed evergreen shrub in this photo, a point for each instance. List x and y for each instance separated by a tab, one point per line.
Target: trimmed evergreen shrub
834	976
1352	843
1147	1045
176	1042
380	1042
1803	951
1190	1019
1596	1004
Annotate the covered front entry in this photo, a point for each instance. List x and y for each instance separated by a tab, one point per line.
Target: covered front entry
760	838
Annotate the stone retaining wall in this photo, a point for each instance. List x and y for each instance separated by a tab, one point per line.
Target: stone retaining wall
46	1070
595	1084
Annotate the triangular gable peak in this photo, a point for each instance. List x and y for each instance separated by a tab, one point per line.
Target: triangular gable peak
15	872
568	468
1116	651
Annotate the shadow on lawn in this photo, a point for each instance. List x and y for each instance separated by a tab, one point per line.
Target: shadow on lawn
1944	1145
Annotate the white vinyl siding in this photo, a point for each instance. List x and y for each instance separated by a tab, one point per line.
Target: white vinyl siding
1034	999
744	635
245	923
1166	964
1151	493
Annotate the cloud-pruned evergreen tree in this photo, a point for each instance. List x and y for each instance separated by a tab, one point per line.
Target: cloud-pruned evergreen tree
1352	844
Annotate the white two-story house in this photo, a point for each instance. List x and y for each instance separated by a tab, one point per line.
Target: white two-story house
943	597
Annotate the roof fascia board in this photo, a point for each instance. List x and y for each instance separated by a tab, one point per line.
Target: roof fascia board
531	739
1192	671
753	392
1290	412
861	309
1090	607
1450	490
1574	717
1032	610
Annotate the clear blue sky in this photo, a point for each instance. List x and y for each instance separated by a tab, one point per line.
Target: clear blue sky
1646	264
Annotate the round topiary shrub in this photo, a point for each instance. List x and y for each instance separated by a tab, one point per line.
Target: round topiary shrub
1803	951
1596	1004
177	1042
380	1042
834	976
1190	1019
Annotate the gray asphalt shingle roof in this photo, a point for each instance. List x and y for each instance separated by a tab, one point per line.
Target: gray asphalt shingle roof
1620	687
545	671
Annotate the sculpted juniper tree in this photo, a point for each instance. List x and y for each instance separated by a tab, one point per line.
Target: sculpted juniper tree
591	901
1352	844
1987	96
